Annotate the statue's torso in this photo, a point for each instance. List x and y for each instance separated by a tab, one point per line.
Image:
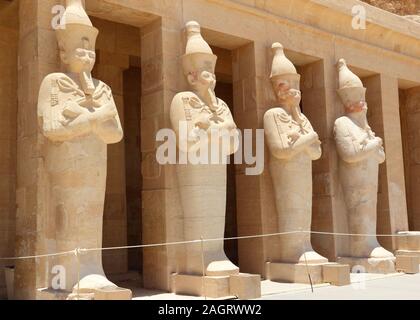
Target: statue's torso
361	175
280	134
188	107
292	176
60	90
79	153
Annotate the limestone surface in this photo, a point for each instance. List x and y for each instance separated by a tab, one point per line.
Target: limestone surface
78	117
202	186
293	145
360	152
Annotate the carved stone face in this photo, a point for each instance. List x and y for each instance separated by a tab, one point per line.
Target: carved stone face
286	93
202	80
81	59
357	107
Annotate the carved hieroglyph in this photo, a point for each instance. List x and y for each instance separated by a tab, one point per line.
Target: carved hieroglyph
293	145
79	118
360	153
202	187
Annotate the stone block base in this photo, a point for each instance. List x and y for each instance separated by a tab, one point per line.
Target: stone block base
294	272
369	265
336	274
409	240
412	253
50	294
242	285
245	286
407	264
97	294
9	273
108	294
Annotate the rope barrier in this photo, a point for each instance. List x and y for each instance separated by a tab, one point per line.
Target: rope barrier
40	255
85	250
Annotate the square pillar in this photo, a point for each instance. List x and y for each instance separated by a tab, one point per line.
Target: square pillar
161	212
117	44
9	37
338	245
384	118
314	107
251	200
410	129
38	56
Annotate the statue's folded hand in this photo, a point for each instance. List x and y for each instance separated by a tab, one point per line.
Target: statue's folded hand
293	136
104	113
72	110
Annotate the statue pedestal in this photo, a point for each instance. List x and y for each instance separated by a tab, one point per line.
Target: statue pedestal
242	285
415	253
408	263
84	294
50	294
369	265
334	273
408	253
408	243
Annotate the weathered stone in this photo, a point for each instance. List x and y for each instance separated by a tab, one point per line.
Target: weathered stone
407	264
387	65
78	117
360	153
293	145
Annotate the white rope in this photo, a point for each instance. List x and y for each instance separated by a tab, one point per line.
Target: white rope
41	255
79	250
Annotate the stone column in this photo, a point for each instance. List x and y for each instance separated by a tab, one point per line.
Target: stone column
314	106
37	58
161	48
116	44
410	120
9	37
248	75
338	245
383	104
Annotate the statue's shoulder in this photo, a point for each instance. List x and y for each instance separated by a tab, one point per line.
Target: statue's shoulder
222	103
180	106
343	127
342	121
52	78
277	112
60	82
184	96
187	99
223	107
51	86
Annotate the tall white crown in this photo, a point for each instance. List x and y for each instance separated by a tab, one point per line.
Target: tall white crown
198	54
76	26
282	67
351	88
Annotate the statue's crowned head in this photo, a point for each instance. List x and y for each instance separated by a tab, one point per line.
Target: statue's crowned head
77	38
198	62
284	78
351	89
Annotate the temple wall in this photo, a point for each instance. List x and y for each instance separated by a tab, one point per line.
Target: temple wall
118	48
9	36
410	125
315	35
